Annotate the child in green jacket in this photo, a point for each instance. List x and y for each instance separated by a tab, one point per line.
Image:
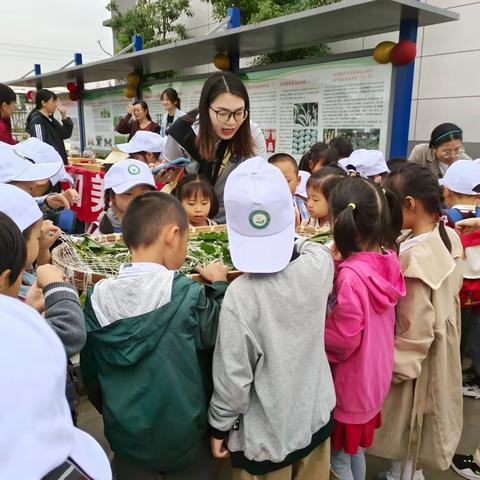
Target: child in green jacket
151	331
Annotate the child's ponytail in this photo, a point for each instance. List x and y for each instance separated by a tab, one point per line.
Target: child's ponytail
361	216
393	221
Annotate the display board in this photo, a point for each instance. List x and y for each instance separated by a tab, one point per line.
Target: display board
294	106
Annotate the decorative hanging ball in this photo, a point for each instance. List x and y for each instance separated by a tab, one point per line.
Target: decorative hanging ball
133	79
30	95
404	52
72	87
73	96
130	91
221	61
383	51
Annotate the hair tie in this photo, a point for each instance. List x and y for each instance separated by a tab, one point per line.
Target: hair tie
352	206
450	132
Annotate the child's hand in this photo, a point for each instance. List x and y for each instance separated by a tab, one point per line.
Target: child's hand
49	235
215	272
47	274
35	298
468	225
71	195
219	448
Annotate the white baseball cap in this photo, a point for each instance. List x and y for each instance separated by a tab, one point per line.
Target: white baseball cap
37	430
143	142
41	152
366	162
302	186
19	206
127	174
463	176
14	166
260	217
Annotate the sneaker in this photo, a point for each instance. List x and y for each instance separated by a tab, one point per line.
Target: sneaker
394	474
471	388
465	466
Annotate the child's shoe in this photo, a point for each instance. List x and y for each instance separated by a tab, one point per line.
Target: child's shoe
466	467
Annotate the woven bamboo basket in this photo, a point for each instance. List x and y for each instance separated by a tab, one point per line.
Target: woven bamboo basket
84	272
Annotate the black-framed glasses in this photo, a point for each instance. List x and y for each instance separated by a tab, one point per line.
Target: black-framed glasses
224	116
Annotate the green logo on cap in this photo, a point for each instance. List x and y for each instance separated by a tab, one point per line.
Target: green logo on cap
259	219
133	169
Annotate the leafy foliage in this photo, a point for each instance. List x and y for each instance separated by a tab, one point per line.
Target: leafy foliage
155	20
254	11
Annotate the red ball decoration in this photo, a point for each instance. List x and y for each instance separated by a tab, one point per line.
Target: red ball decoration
404	52
73	96
29	95
72	87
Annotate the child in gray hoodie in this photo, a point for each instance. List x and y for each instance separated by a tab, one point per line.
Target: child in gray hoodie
271	409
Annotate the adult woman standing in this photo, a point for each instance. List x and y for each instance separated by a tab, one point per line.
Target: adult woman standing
42	124
8	102
217	136
445	147
171	103
141	120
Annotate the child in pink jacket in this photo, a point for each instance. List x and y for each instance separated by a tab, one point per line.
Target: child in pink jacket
359	331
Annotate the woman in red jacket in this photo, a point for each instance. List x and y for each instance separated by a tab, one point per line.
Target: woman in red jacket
8	102
141	120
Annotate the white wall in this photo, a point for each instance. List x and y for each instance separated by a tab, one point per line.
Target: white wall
447	73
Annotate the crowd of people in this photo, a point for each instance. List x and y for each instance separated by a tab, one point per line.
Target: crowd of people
317	353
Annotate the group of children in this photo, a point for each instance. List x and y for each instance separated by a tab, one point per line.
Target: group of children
319	352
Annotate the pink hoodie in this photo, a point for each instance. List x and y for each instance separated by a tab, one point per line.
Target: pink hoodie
359	333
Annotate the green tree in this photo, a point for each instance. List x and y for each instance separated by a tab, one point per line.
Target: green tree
254	11
155	20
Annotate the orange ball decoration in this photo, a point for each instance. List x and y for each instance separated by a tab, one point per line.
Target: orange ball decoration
130	91
133	79
404	52
383	51
221	61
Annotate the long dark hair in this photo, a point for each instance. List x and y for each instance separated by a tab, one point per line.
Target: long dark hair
241	144
42	95
144	105
7	95
193	185
326	179
171	95
317	153
444	133
412	180
342	146
364	216
13	249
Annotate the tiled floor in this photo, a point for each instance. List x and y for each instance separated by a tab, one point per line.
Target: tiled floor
90	421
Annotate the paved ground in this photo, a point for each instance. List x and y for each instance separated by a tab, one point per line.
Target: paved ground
90	421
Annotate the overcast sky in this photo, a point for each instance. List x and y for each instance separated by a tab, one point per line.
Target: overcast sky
49	32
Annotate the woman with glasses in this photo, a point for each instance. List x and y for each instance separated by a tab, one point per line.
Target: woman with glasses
445	147
218	135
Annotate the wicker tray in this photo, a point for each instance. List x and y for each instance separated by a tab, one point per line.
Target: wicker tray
85	272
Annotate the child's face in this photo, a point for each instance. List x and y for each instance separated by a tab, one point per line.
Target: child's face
290	174
317	204
121	201
33	243
34	188
197	209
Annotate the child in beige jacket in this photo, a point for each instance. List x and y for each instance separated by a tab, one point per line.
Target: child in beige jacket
422	415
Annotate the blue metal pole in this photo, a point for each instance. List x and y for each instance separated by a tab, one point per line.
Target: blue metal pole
137	43
80	105
403	87
38	71
234	22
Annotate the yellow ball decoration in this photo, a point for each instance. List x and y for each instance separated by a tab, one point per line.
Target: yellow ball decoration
383	51
221	61
130	91
133	79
